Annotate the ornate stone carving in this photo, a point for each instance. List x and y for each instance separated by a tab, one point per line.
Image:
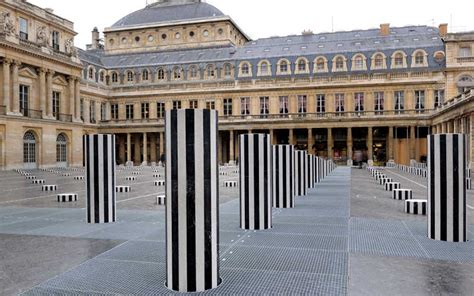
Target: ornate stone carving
42	36
69	47
7	24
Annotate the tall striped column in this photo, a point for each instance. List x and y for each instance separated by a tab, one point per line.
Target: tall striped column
192	225
99	155
311	174
320	169
283	176
301	168
446	187
255	182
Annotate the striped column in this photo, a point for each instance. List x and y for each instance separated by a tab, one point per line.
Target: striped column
255	182
311	173
192	225
283	176
99	155
446	187
301	168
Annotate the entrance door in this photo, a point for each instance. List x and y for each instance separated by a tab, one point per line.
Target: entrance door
29	151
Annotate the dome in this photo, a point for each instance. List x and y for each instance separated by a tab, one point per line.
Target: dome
169	11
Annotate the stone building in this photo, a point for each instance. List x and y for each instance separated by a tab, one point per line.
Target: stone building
380	91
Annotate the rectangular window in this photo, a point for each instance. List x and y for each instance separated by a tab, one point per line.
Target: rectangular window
320	103
211	105
145	110
264	107
176	105
420	101
379	103
56	102
245	106
114	111
399	99
227	107
129	111
438	97
339	103
92	111
302	104
82	109
284	106
161	111
55	40
193	104
465	52
103	111
359	102
23	29
24	96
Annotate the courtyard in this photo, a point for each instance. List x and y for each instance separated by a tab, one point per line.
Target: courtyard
347	236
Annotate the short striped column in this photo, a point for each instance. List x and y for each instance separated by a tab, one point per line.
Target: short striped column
447	187
415	206
255	182
283	180
192	183
100	178
311	174
301	163
402	194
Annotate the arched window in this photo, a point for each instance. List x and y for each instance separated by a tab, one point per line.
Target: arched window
399	60
29	150
145	75
264	68
465	83
91	73
161	74
227	70
320	64
102	76
339	64
283	67
114	77
193	72
419	58
245	69
211	72
359	63
378	61
130	76
177	73
61	148
302	65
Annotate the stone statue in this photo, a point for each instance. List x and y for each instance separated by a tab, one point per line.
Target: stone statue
42	36
7	23
69	47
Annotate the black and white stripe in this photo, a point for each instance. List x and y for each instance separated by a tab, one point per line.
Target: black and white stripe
283	180
402	194
447	187
192	182
49	187
231	184
416	206
67	197
100	178
38	181
159	183
301	164
255	163
161	199
123	189
390	186
311	171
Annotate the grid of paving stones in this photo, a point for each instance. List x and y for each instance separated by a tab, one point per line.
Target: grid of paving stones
310	250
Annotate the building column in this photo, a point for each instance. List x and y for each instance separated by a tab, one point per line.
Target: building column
310	141
291	137
152	147
122	155
272	137
16	88
370	144
391	155
444	127
220	148
412	143
231	146
42	91
456	126
145	148
349	144
433	130
471	141
330	144
138	150
77	99
162	145
49	94
72	93
6	85
129	147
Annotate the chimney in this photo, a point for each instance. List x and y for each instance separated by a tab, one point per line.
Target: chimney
95	39
384	29
443	30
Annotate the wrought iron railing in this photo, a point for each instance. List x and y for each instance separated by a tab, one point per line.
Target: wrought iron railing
31	113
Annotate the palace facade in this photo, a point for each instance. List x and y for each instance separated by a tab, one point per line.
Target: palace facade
380	91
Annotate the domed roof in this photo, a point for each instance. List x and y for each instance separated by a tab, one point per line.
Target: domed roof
169	11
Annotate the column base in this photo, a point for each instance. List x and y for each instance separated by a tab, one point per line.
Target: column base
75	120
15	114
370	162
49	117
349	162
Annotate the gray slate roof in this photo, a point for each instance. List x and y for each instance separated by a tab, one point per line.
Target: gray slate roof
163	14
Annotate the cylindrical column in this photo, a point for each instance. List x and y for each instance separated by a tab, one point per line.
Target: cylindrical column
301	164
129	147
349	146
72	93
390	143
145	148
77	98
16	88
310	141
100	178
283	180
255	182
330	143
310	171
370	148
231	147
192	236
446	187
49	94
6	84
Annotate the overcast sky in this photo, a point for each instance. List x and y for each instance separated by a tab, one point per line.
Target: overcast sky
265	18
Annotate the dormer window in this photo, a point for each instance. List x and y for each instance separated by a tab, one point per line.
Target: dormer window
145	75
302	66
130	76
211	72
320	64
177	73
419	58
340	63
161	74
227	70
378	61
264	68
193	72
245	69
399	60
283	67
114	77
102	76
90	74
359	63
